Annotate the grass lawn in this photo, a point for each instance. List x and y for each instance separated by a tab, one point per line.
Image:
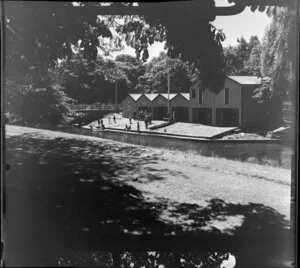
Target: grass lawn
71	189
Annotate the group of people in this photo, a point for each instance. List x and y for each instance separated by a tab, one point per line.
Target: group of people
147	117
143	115
101	124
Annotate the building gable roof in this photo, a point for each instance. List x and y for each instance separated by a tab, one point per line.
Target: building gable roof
151	96
172	95
135	96
246	80
185	95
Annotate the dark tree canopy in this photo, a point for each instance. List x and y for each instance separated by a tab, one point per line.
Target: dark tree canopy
191	37
155	77
278	53
243	59
37	34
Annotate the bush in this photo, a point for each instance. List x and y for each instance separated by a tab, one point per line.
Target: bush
32	103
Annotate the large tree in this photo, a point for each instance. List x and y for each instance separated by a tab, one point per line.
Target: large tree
95	81
37	33
191	39
243	59
132	67
155	78
278	61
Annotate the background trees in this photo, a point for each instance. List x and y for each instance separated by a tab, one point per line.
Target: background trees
38	34
278	61
191	39
243	59
155	77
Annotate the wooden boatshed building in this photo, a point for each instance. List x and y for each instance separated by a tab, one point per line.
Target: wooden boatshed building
179	105
129	105
233	105
157	105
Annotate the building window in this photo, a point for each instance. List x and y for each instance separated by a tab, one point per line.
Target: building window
193	93
200	96
226	95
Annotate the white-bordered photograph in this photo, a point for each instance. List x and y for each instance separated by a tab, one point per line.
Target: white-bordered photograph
149	134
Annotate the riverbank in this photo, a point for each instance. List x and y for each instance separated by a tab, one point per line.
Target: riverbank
268	152
69	191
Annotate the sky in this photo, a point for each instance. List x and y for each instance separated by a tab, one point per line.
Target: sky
245	24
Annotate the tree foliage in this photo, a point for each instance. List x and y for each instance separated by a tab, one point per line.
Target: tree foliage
243	59
94	81
35	99
155	78
169	259
39	33
192	39
278	61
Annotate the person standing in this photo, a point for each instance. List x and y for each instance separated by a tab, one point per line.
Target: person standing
102	125
138	126
114	118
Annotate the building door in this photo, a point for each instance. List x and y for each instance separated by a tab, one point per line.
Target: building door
202	116
227	117
181	114
160	112
143	110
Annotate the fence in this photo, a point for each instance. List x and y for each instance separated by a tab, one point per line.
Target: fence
96	106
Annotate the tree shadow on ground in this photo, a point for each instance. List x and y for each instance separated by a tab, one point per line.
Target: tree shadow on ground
74	191
221	218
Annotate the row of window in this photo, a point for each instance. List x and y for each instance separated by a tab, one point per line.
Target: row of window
226	98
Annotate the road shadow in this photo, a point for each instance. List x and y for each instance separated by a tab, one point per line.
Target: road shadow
69	192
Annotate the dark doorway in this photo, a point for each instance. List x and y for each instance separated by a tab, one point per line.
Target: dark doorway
227	117
181	114
160	113
202	116
143	111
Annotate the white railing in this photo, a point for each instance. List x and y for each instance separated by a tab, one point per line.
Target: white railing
95	106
